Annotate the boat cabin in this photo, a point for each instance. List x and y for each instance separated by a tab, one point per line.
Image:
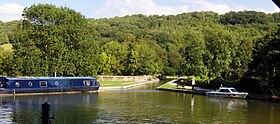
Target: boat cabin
226	89
227	92
47	84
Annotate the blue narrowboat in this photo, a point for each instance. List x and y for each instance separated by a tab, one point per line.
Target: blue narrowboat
9	85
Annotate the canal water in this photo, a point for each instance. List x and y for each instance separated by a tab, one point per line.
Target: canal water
140	105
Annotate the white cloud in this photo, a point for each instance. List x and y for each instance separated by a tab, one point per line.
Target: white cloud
10	11
148	7
276	8
129	7
204	5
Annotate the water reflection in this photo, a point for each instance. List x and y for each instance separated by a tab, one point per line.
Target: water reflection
192	104
140	105
5	112
27	109
230	104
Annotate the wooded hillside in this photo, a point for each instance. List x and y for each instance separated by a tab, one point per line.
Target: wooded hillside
204	44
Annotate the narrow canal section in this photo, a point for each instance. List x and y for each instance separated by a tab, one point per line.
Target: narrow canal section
143	104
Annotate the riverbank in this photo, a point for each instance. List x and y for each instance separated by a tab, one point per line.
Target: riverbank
129	85
170	86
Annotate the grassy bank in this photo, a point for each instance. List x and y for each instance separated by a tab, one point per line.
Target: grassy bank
116	83
167	86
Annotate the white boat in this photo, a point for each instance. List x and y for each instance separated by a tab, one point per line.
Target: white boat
227	92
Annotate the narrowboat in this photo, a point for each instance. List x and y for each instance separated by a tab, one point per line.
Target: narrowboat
227	92
10	85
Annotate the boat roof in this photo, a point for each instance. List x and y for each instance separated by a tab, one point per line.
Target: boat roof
227	88
47	78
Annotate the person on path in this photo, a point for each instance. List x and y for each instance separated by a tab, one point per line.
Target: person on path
193	83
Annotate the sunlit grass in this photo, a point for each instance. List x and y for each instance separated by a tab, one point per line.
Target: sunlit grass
168	86
7	47
116	83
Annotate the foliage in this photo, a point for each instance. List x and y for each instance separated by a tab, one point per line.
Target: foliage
244	17
55	39
201	44
267	59
7	31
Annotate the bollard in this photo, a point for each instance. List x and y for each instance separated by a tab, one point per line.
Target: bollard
14	92
54	74
46	113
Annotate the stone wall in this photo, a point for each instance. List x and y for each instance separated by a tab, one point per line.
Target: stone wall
124	78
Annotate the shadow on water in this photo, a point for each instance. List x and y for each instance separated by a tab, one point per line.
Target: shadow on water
27	109
143	104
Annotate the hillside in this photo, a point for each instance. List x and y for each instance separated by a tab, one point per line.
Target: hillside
203	44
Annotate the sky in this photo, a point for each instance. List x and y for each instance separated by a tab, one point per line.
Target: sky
12	9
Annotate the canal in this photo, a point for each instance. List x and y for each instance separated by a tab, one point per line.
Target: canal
140	105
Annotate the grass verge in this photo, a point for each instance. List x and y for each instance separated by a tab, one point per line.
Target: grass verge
168	86
116	83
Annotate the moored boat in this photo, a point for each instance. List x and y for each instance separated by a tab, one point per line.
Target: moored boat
227	92
9	85
275	95
275	98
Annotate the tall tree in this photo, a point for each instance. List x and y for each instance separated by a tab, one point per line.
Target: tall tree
220	46
55	39
266	62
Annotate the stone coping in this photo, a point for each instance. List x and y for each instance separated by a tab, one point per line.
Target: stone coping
128	86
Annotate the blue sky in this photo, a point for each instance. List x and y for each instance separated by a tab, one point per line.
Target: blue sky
12	9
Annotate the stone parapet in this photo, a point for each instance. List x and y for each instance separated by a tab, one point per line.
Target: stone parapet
124	78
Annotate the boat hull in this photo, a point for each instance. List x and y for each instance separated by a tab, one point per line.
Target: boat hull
275	98
40	85
25	91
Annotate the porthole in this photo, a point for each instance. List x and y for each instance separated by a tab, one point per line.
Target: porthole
17	84
30	84
56	83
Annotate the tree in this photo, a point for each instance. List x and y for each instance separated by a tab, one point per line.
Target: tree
266	63
244	17
220	48
55	39
117	54
196	43
194	52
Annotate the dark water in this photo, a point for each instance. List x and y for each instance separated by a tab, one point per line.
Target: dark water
140	105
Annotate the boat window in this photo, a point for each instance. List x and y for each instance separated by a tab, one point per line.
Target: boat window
86	82
30	84
17	84
224	90
43	83
2	85
233	90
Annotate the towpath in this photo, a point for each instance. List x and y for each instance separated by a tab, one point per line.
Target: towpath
139	83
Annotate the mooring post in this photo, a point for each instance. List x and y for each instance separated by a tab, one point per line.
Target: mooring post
14	92
54	74
46	113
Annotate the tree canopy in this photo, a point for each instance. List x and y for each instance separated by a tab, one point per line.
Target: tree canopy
204	44
55	39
